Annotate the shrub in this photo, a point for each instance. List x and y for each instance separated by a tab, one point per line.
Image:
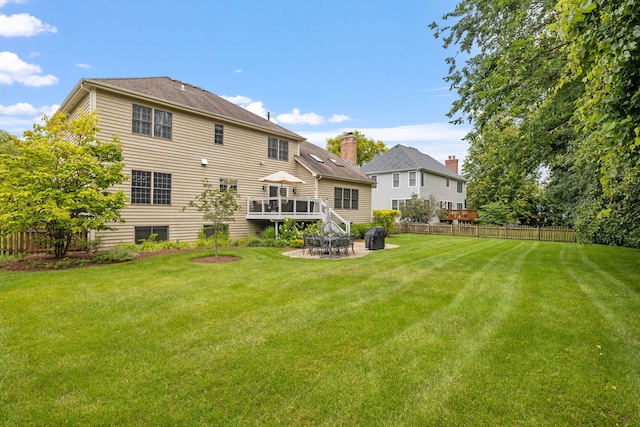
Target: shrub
386	218
359	230
296	243
269	233
119	253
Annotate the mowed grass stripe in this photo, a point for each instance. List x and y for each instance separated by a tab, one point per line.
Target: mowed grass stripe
440	331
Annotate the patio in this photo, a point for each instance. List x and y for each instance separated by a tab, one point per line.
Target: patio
359	250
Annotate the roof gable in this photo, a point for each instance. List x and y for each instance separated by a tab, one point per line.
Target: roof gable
171	91
402	158
321	162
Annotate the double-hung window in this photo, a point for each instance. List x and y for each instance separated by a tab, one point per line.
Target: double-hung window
228	184
345	198
219	134
141	122
396	180
146	118
278	149
161	188
150	188
413	180
460	186
140	187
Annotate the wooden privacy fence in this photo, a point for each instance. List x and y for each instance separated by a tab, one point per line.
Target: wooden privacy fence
30	242
514	232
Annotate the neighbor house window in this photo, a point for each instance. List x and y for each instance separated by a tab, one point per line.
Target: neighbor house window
421	179
447	183
460	206
141	122
396	180
278	149
345	198
228	184
150	186
374	178
413	179
144	233
219	134
460	185
397	204
145	118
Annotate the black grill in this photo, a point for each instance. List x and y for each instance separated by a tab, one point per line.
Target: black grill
374	238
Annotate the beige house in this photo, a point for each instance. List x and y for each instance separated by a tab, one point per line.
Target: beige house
174	134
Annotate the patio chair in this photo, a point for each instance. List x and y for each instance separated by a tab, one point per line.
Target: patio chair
349	244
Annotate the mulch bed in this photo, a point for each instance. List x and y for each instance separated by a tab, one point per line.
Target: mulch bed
46	262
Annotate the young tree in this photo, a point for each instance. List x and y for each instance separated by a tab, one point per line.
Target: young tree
367	148
217	206
57	181
421	210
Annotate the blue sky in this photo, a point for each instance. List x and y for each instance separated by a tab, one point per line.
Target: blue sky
318	67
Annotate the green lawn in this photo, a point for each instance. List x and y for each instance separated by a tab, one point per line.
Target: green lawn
445	331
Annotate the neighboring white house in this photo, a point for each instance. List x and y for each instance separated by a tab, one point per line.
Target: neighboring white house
403	171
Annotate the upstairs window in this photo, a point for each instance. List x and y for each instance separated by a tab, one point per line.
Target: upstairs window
396	180
278	149
447	183
460	187
219	134
374	178
163	124
145	118
413	180
141	122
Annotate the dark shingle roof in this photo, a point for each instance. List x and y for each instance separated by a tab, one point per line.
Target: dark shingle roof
329	165
402	158
181	94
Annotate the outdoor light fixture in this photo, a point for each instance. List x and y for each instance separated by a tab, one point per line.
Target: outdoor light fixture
264	187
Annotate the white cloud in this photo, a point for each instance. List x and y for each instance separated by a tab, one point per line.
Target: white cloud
296	118
18	109
23	25
15	70
339	118
238	70
256	107
81	65
439	140
11	119
238	100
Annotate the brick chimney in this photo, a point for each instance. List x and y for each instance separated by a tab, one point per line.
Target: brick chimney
349	147
452	163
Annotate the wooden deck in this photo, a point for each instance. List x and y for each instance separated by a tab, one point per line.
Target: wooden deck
279	208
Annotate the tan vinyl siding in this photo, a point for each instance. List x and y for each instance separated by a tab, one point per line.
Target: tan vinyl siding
360	216
243	157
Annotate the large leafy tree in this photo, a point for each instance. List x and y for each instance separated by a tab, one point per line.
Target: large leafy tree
367	148
57	181
565	74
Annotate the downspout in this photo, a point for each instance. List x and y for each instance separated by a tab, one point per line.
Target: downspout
317	187
92	97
